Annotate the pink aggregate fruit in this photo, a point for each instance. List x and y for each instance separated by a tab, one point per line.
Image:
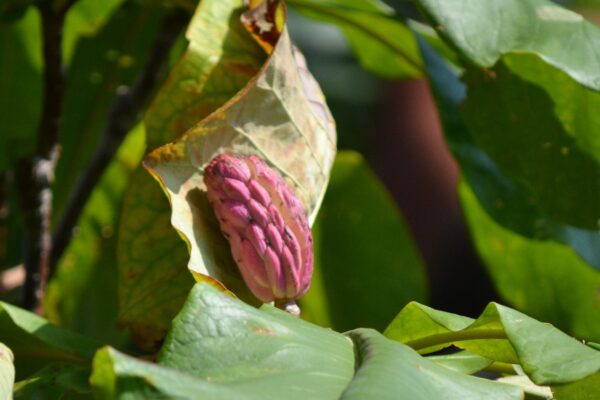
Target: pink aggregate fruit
266	227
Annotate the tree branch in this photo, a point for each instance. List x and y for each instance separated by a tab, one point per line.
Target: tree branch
35	174
124	113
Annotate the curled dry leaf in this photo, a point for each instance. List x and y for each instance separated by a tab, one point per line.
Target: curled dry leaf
279	116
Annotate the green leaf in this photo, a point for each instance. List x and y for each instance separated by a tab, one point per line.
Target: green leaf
84	19
493	28
55	381
153	277
545	279
266	352
7	372
555	147
361	285
21	85
382	43
585	389
117	375
110	59
503	198
388	369
463	361
546	354
11	10
219	61
36	343
82	296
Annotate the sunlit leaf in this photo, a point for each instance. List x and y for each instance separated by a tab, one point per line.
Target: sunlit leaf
263	351
153	278
7	372
502	334
388	369
282	117
381	42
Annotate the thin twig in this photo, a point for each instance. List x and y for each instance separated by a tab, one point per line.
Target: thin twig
35	174
124	113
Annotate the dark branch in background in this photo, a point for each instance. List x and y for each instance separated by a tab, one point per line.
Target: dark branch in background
35	174
124	113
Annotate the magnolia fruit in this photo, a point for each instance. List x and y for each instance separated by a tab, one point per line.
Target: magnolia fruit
265	225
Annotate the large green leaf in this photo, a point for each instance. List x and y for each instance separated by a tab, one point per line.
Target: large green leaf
380	41
117	376
527	108
363	284
82	296
153	276
36	343
501	334
263	351
503	198
388	369
221	348
7	372
545	279
220	59
492	28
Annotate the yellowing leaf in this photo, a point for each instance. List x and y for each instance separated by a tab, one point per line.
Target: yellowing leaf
219	61
280	116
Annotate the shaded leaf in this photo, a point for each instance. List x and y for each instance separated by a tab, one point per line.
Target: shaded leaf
503	198
36	343
280	116
84	19
20	75
101	65
7	372
366	284
219	60
266	352
555	146
545	279
387	369
585	389
530	144
117	375
382	43
546	354
55	381
82	296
